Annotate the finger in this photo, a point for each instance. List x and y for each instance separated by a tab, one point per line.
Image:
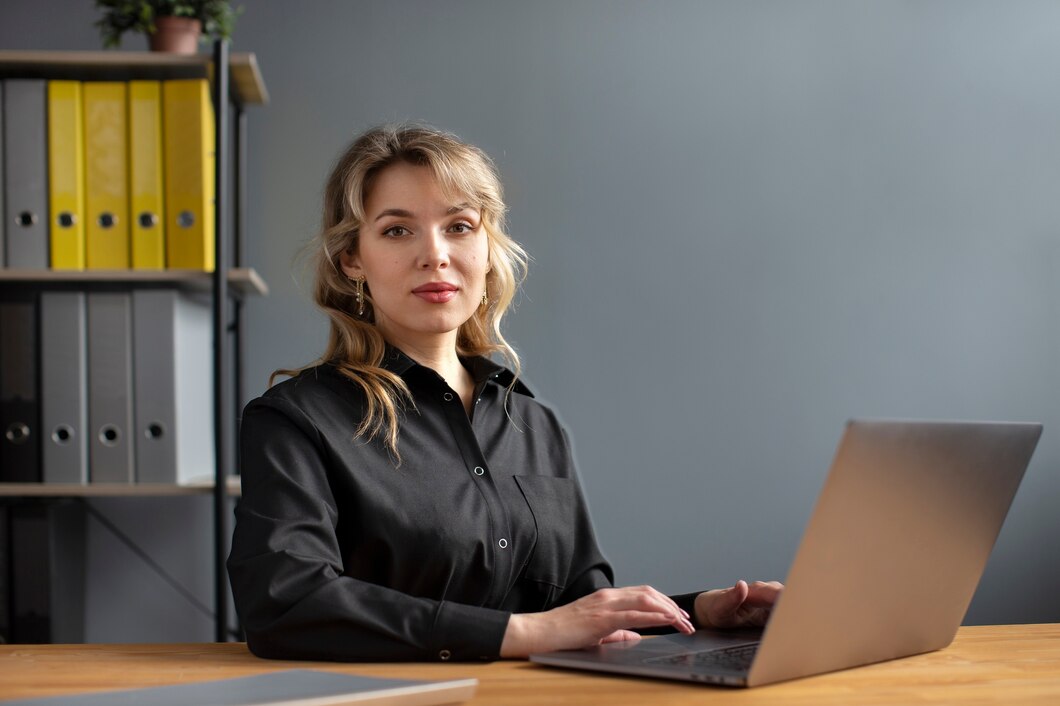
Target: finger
667	602
725	608
757	604
621	636
646	598
764	593
733	598
649	619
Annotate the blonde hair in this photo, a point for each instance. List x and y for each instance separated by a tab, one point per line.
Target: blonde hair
355	346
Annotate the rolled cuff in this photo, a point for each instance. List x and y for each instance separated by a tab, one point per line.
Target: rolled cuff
466	633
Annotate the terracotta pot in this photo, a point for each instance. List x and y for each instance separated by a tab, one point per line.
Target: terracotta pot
177	35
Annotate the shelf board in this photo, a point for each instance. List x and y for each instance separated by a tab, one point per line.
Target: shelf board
111	490
248	87
244	281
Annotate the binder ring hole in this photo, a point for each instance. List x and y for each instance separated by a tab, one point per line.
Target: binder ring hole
66	220
185	219
107	220
26	219
62	434
148	220
109	435
17	433
154	431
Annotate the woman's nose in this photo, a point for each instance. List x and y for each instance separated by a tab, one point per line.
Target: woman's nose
435	254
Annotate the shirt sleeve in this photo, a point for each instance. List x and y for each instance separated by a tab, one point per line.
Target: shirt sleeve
286	566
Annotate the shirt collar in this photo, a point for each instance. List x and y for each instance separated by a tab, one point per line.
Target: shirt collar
482	369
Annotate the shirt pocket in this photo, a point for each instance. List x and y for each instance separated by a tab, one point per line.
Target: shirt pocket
553	503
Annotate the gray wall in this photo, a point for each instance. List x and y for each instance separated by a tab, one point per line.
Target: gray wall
749	222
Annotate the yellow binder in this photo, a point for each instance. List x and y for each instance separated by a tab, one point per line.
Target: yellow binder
106	176
66	176
145	175
188	121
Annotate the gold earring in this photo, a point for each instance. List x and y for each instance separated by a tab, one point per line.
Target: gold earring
485	297
359	284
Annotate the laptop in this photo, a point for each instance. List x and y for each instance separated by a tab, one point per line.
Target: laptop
886	568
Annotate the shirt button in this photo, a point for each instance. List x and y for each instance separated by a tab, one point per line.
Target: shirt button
479	470
444	655
448	397
503	544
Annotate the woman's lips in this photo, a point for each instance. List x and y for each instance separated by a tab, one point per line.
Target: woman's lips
436	292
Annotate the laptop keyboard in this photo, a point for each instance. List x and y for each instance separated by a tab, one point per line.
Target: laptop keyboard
736	658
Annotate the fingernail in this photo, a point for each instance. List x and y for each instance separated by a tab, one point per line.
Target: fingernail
687	616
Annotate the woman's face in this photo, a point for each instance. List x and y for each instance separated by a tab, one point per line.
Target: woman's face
423	257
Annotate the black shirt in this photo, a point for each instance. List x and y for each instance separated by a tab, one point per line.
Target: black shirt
339	554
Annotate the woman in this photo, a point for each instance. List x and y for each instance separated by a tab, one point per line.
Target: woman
407	498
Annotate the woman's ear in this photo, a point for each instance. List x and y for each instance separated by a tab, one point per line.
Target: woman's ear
350	264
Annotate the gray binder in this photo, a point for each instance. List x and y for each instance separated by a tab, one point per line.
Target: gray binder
64	387
110	411
173	380
26	173
5	581
47	591
3	225
19	404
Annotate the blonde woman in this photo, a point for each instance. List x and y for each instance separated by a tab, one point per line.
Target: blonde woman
407	498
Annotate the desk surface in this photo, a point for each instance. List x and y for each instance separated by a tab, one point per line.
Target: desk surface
1011	664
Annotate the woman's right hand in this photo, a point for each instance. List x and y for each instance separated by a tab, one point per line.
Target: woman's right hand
602	616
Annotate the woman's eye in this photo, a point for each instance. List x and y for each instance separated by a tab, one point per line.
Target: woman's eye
396	231
461	228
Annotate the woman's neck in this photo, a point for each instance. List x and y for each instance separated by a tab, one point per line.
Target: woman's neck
438	354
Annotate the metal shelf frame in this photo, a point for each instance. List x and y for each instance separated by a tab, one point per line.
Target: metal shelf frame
220	336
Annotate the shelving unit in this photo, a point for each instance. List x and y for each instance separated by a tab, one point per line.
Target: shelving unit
236	83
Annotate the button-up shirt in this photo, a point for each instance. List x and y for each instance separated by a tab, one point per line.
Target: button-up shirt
341	553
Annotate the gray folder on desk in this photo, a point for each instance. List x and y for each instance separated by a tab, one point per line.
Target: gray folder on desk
19	405
26	173
292	687
64	387
110	393
173	379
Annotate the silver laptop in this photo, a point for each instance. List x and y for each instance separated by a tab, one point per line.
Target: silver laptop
886	568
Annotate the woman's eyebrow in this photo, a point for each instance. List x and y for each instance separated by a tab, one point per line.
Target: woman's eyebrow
399	212
402	213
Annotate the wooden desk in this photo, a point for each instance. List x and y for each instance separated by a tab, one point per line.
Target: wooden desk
1010	664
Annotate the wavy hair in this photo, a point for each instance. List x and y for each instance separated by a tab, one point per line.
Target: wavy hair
355	345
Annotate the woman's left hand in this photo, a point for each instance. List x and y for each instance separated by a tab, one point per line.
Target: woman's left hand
743	605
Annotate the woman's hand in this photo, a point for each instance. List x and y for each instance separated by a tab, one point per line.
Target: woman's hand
602	616
740	606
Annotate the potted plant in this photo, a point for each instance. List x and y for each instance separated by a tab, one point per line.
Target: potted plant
171	25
